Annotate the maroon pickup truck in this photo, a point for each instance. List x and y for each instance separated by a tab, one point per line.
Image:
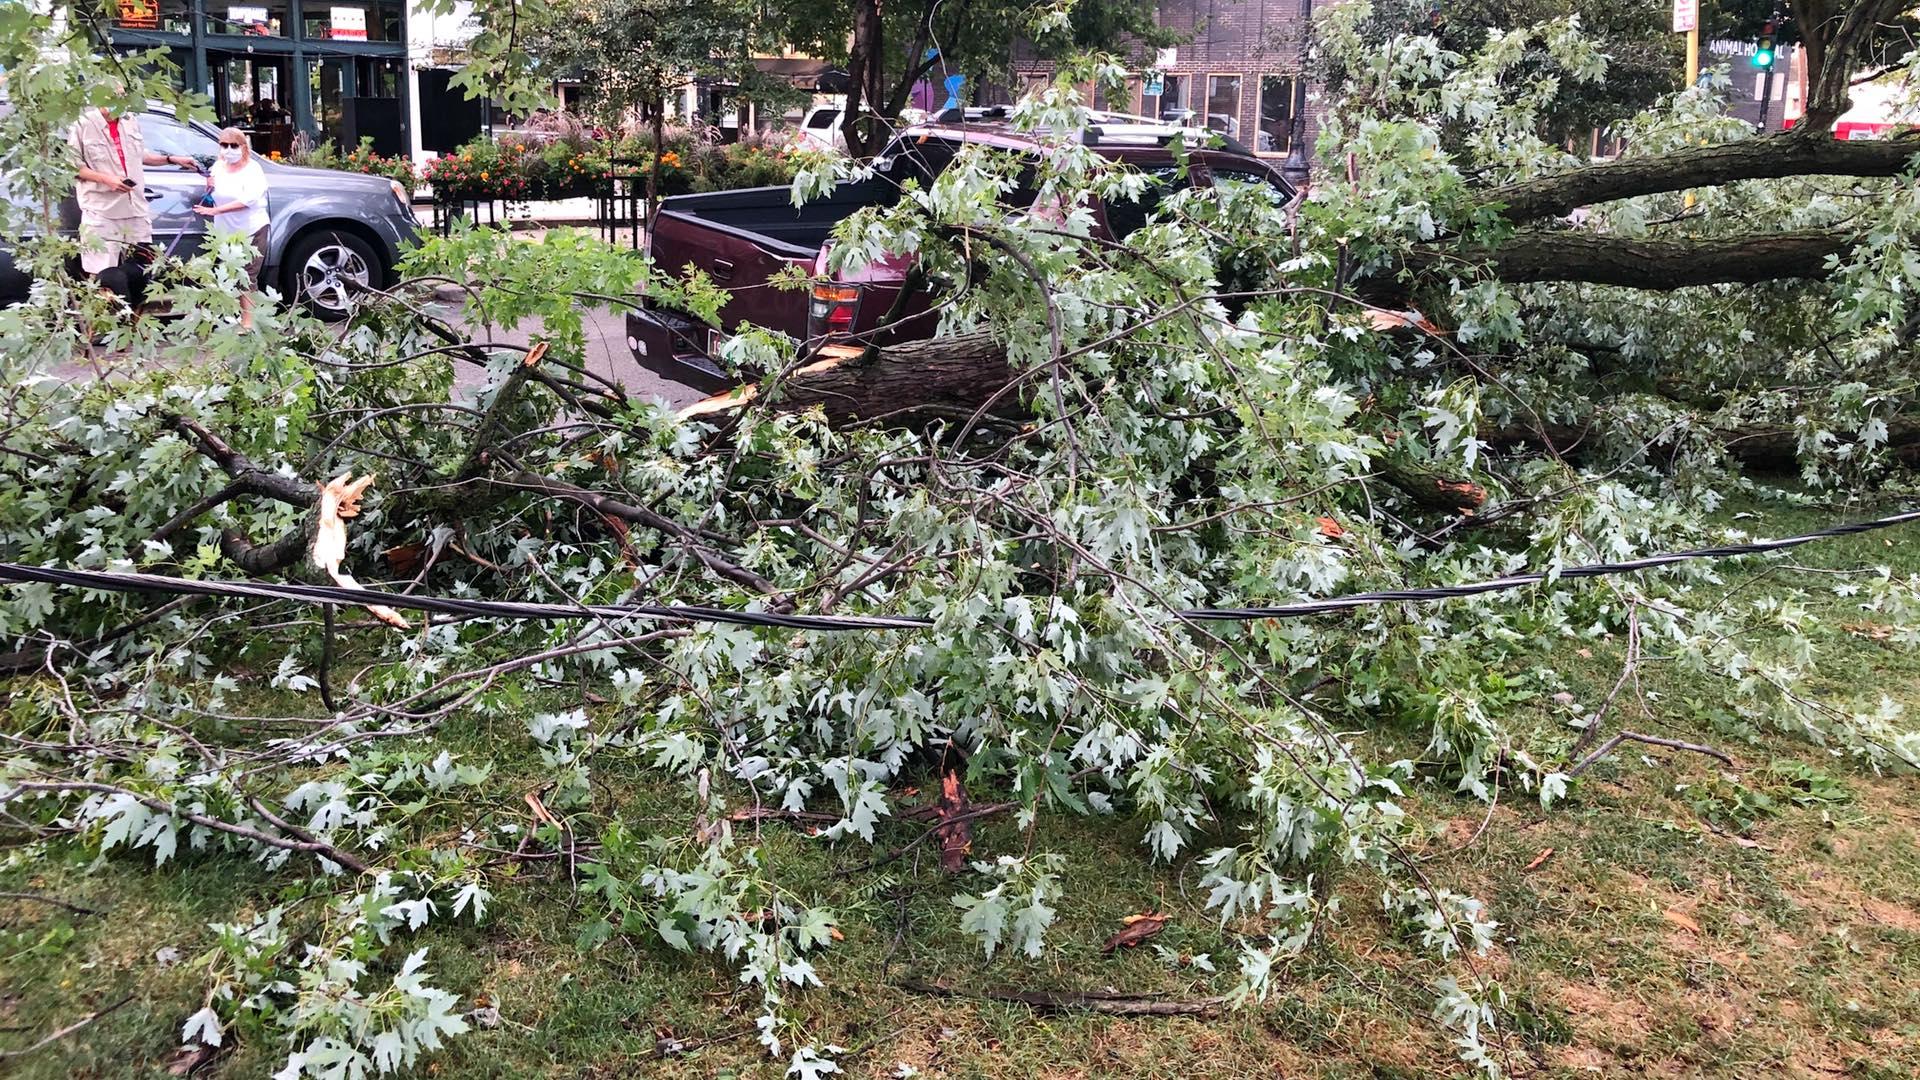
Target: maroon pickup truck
743	238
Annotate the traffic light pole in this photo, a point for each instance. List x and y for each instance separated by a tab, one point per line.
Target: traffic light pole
1763	58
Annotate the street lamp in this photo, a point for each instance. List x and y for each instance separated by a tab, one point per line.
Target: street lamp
1298	166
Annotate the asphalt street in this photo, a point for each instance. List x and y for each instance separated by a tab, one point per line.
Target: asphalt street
607	354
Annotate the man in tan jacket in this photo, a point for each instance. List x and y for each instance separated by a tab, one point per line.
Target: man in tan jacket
116	224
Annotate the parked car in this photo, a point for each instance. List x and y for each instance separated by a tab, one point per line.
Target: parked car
331	230
820	128
742	239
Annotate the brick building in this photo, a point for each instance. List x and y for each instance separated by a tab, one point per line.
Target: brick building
1236	71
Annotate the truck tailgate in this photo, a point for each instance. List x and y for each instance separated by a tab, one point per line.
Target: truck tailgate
738	261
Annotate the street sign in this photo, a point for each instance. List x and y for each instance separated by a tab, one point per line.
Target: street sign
1686	16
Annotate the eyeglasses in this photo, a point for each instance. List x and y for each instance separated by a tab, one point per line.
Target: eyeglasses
235	145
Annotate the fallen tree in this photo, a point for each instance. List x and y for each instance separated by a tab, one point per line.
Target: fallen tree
1111	442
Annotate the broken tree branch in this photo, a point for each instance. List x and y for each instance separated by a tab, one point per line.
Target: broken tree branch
56	1036
249	477
302	842
50	901
1640	263
1609	746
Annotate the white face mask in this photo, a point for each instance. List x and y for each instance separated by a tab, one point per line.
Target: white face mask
230	155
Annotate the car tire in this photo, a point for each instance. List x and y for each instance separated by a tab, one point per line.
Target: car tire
323	265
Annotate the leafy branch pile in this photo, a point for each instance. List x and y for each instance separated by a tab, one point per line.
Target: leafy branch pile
1206	413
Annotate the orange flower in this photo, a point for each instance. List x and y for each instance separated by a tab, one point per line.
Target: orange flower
483	176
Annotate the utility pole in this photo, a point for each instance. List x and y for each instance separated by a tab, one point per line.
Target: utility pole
1693	48
1686	17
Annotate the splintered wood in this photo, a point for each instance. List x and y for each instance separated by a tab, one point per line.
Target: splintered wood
339	500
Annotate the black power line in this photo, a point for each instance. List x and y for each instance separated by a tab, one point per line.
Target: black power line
504	609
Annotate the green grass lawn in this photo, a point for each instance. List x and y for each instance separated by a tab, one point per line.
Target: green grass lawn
1690	920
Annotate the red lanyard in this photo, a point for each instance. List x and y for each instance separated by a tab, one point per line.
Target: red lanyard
113	132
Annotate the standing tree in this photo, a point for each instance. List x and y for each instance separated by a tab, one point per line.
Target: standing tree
889	46
634	55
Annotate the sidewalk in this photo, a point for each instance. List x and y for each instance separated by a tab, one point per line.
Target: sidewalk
575	213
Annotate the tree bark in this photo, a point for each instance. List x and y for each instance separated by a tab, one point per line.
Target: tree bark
1575	256
957	372
659	147
1834	41
864	79
1801	152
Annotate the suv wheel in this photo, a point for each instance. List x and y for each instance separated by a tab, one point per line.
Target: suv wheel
324	269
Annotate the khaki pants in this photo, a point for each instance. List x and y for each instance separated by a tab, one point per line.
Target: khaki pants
105	243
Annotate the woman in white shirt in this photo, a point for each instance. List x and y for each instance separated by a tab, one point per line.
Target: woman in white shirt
239	205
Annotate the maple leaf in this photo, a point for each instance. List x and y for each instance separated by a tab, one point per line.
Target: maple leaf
1135	929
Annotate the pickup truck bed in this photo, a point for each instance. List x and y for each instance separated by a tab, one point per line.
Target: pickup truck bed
742	239
765	216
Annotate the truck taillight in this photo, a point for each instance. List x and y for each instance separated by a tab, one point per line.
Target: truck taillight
833	307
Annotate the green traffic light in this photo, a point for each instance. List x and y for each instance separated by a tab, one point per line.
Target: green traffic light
1763	58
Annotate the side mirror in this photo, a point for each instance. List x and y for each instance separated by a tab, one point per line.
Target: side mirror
883	164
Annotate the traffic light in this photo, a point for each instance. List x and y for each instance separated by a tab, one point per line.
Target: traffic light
1763	52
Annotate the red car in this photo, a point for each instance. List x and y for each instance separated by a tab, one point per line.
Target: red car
743	238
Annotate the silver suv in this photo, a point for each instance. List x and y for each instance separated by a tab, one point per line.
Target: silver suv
331	230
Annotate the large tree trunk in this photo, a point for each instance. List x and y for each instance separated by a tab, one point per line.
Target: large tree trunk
1835	34
1575	256
940	375
959	376
1801	152
865	77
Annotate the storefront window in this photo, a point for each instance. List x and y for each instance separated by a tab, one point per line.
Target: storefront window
1171	102
1223	104
1276	114
263	18
378	79
251	90
1122	101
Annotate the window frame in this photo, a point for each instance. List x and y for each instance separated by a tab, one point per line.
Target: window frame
1239	100
1177	79
1260	114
